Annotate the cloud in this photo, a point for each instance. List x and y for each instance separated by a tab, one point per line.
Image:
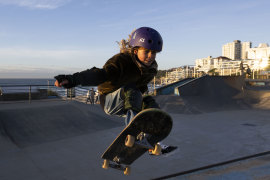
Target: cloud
36	4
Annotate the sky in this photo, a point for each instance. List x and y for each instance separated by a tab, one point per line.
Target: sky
44	38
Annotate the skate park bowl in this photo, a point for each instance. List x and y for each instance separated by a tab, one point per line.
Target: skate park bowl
216	119
26	126
216	93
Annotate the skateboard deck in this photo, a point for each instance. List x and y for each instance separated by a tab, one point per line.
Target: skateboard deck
145	130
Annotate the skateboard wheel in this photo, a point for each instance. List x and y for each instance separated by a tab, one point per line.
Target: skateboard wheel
105	164
130	140
157	150
127	170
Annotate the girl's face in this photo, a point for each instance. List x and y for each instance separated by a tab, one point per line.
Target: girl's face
146	56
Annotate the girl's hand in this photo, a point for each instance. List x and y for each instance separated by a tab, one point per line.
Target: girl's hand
57	84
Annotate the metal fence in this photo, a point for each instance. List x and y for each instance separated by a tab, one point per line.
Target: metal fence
44	92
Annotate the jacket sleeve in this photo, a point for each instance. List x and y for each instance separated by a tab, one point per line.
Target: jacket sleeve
112	71
89	77
143	88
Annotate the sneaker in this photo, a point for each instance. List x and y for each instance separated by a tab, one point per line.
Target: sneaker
168	149
164	149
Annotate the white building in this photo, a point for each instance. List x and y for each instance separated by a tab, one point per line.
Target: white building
232	50
209	63
242	55
204	64
178	74
236	50
221	64
261	55
245	46
175	75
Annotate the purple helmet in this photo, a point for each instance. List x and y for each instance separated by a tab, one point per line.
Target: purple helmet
146	37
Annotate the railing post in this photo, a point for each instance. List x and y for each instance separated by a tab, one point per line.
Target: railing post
29	94
48	89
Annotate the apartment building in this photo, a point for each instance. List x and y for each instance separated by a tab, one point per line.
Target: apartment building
234	54
179	73
262	52
245	46
261	55
223	65
232	50
206	64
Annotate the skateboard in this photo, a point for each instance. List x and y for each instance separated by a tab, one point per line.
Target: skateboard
145	130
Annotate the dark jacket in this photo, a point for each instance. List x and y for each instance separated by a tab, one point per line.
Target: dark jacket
123	69
120	70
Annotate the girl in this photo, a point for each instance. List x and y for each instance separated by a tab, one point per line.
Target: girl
123	79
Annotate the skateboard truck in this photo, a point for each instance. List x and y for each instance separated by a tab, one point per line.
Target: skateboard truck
142	141
107	163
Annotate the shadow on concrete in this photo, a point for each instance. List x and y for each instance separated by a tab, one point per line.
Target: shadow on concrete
38	124
215	93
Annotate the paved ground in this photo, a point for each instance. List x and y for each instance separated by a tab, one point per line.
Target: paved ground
64	140
252	168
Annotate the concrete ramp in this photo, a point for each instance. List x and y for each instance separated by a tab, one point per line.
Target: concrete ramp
215	93
213	86
65	140
45	122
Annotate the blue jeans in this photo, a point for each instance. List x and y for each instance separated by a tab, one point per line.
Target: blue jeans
114	105
127	102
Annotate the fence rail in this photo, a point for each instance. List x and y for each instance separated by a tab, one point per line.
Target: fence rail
41	91
13	92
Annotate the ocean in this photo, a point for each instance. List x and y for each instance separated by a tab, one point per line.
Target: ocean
22	86
27	82
8	86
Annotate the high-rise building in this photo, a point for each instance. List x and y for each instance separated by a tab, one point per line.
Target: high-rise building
232	50
236	50
245	47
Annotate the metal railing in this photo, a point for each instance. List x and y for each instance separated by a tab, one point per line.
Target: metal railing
38	92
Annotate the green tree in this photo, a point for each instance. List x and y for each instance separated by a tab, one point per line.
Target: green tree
213	72
161	73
